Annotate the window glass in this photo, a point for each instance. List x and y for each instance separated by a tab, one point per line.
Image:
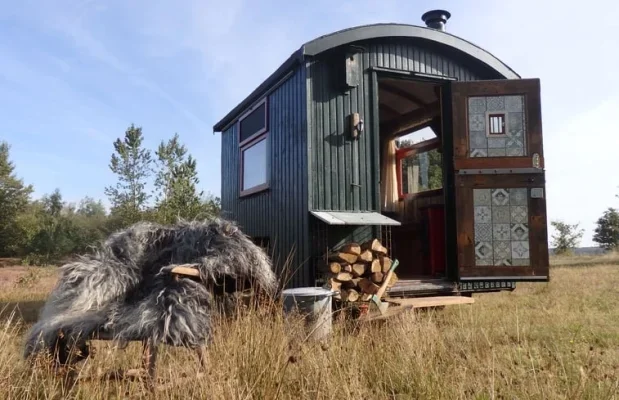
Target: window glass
255	165
422	172
253	123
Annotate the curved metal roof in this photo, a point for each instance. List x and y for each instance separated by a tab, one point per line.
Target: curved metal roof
366	32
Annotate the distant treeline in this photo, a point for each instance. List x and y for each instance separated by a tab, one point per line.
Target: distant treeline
49	229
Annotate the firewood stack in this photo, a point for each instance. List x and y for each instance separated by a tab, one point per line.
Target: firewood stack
358	271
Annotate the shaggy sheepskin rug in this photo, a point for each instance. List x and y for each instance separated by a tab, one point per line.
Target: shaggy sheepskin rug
125	288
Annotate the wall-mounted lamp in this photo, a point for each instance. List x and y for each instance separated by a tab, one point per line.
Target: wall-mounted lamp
356	125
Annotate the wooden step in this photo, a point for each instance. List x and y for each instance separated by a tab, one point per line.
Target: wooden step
431	301
399	305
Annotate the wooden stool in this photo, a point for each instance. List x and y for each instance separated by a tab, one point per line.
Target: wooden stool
149	349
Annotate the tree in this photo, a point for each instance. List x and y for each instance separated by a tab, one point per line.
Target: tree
132	164
176	182
568	237
55	237
14	198
607	230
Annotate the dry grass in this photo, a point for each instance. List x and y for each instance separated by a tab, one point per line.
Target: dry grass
543	341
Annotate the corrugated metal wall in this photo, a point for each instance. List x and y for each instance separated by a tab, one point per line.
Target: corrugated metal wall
281	213
332	171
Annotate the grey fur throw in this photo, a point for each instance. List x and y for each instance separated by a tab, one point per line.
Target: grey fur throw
125	289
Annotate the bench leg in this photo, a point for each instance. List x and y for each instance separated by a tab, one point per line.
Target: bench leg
202	357
149	359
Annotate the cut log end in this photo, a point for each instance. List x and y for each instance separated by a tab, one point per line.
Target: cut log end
351	248
344	257
350	295
385	263
335	267
344	276
377	277
366	256
358	270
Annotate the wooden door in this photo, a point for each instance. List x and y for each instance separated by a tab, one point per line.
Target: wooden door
496	180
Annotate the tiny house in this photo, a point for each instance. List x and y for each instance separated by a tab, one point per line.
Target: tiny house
400	132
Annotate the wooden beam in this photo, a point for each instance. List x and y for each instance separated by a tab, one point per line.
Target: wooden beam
396	91
411	120
389	109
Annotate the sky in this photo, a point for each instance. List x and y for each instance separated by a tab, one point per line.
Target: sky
74	74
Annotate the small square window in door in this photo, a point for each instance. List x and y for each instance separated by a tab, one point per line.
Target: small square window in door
496	124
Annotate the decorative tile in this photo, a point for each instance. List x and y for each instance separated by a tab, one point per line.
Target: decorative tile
519	215
537	193
483	250
500	197
495	103
478	139
518	196
483	215
496	143
497	153
502	250
512	143
477	122
481	197
502	262
501	232
477	105
500	215
520	249
483	232
514	103
479	152
515	124
501	226
514	152
520	232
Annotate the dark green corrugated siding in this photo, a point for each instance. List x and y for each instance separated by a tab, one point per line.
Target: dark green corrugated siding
331	169
281	213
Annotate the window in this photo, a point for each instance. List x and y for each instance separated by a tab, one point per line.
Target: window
253	146
420	168
496	124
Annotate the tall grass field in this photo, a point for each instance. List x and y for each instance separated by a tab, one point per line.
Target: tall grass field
556	340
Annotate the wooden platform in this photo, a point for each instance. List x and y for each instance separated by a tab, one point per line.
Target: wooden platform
417	287
399	305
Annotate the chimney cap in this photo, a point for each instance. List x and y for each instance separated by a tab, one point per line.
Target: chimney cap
436	19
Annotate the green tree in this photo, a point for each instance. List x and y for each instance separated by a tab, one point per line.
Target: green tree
54	238
176	183
567	237
14	198
132	164
607	230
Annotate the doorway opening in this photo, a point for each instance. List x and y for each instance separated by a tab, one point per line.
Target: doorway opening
412	171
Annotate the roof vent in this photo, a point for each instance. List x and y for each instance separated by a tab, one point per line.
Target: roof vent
436	19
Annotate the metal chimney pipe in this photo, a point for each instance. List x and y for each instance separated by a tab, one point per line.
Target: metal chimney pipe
436	19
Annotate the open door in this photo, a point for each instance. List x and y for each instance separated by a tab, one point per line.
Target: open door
495	185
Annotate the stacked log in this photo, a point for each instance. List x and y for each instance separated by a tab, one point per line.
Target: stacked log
358	270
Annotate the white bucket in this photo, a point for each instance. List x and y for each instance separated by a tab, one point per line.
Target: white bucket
314	303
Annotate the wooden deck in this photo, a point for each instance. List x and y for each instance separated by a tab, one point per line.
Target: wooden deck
420	287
